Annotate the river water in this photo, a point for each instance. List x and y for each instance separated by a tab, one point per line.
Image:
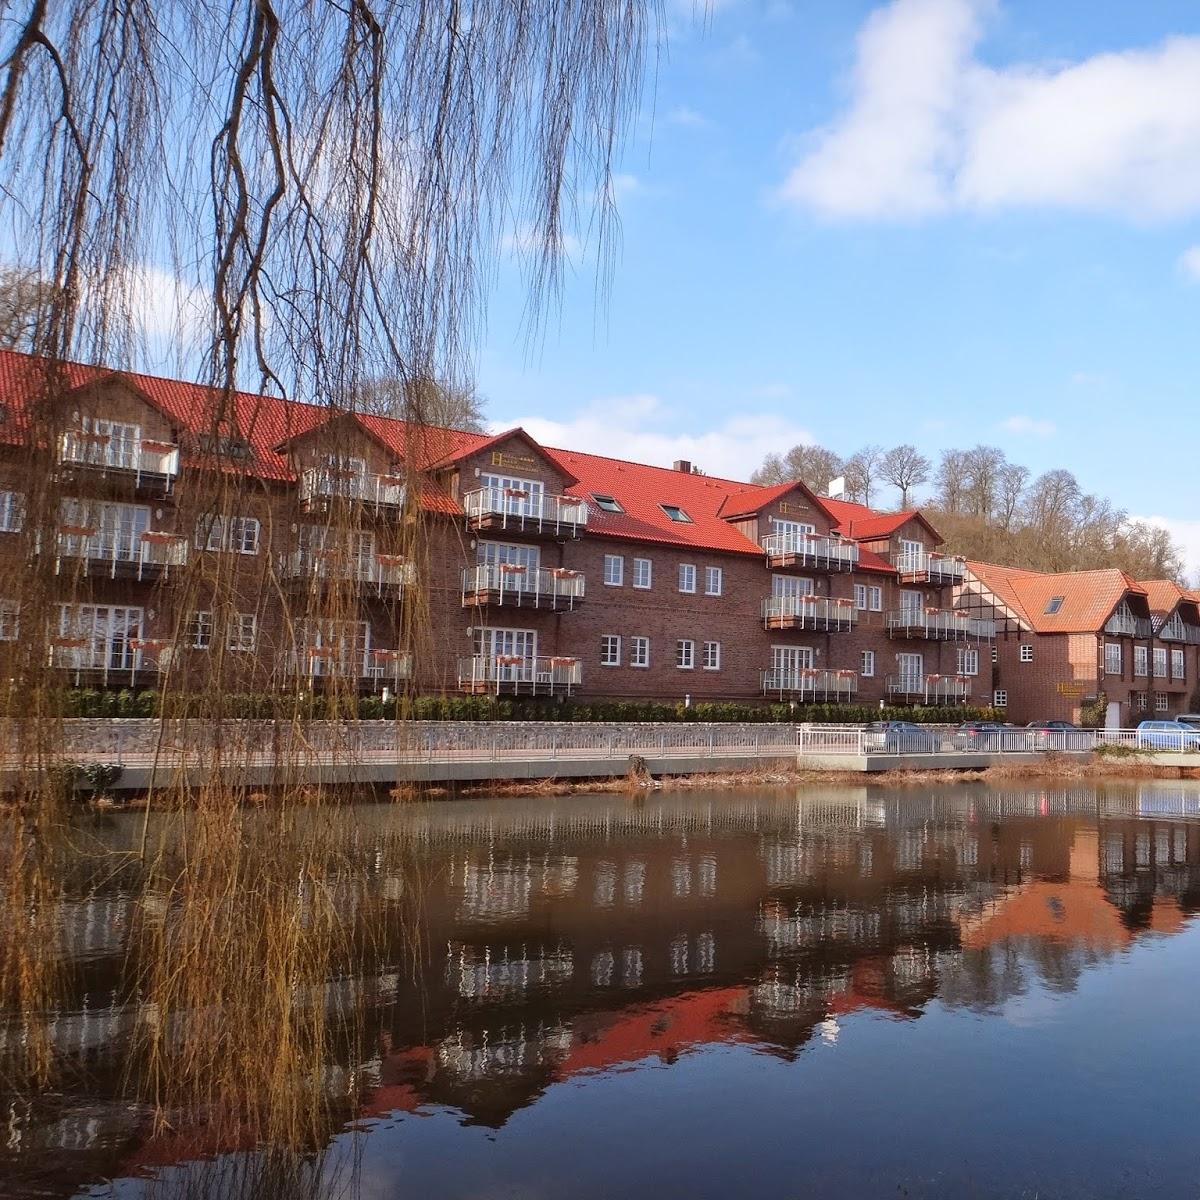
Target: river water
852	992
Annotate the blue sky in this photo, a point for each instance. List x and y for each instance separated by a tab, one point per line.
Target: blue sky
935	221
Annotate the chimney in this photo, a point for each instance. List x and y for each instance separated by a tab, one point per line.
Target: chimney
682	464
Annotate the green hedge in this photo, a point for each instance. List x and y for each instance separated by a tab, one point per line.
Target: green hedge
264	706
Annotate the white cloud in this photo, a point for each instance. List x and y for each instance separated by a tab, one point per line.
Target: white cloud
642	428
687	117
929	128
1189	263
1185	533
1028	426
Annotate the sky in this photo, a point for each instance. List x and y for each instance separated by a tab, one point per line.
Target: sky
941	222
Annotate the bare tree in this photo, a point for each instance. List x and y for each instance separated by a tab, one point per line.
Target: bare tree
423	401
862	469
812	465
983	466
905	468
1013	478
951	481
24	299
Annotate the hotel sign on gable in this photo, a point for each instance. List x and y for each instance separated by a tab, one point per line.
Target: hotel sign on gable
513	462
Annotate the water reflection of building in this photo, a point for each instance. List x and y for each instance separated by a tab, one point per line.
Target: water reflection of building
581	936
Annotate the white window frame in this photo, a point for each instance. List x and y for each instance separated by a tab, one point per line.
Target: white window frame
614	570
1113	655
860	597
710	656
685	654
867	665
1162	702
1141	661
12	512
714	581
201	630
1000	698
639	652
610	649
968	660
876	595
1025	653
1160	662
1178	664
229	534
1139	701
643	574
240	625
687	578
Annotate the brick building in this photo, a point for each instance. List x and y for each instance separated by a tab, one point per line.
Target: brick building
172	529
1069	639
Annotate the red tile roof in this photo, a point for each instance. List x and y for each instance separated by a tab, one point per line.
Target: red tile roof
1088	597
858	521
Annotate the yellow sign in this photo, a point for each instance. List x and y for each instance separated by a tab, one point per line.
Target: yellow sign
514	462
785	507
1070	689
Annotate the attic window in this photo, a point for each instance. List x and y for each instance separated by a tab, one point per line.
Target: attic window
607	503
224	445
676	513
1054	603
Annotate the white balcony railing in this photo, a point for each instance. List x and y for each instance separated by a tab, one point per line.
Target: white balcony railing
119	657
1127	625
534	587
931	567
507	672
332	662
809	612
797	683
1180	631
145	555
134	456
517	509
940	623
329	483
381	571
809	549
930	689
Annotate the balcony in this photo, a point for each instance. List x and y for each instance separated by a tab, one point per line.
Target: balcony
929	689
516	586
147	463
374	666
922	567
809	684
1176	630
145	556
808	550
511	674
824	614
1127	625
939	625
128	661
514	510
384	574
321	485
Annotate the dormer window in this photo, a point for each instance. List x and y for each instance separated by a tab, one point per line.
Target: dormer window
1054	604
676	513
608	504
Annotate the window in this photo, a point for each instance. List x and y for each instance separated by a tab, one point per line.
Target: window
614	570
999	698
237	535
1162	702
876	594
643	572
685	654
10	621
711	656
687	577
911	602
1139	701
1141	660
1054	604
200	630
860	596
1178	668
867	669
610	650
714	581
639	652
968	661
791	586
676	513
1026	653
243	632
1160	662
12	512
995	654
1112	658
607	503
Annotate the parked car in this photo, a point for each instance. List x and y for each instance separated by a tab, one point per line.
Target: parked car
1059	735
1168	735
901	737
1192	719
982	736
